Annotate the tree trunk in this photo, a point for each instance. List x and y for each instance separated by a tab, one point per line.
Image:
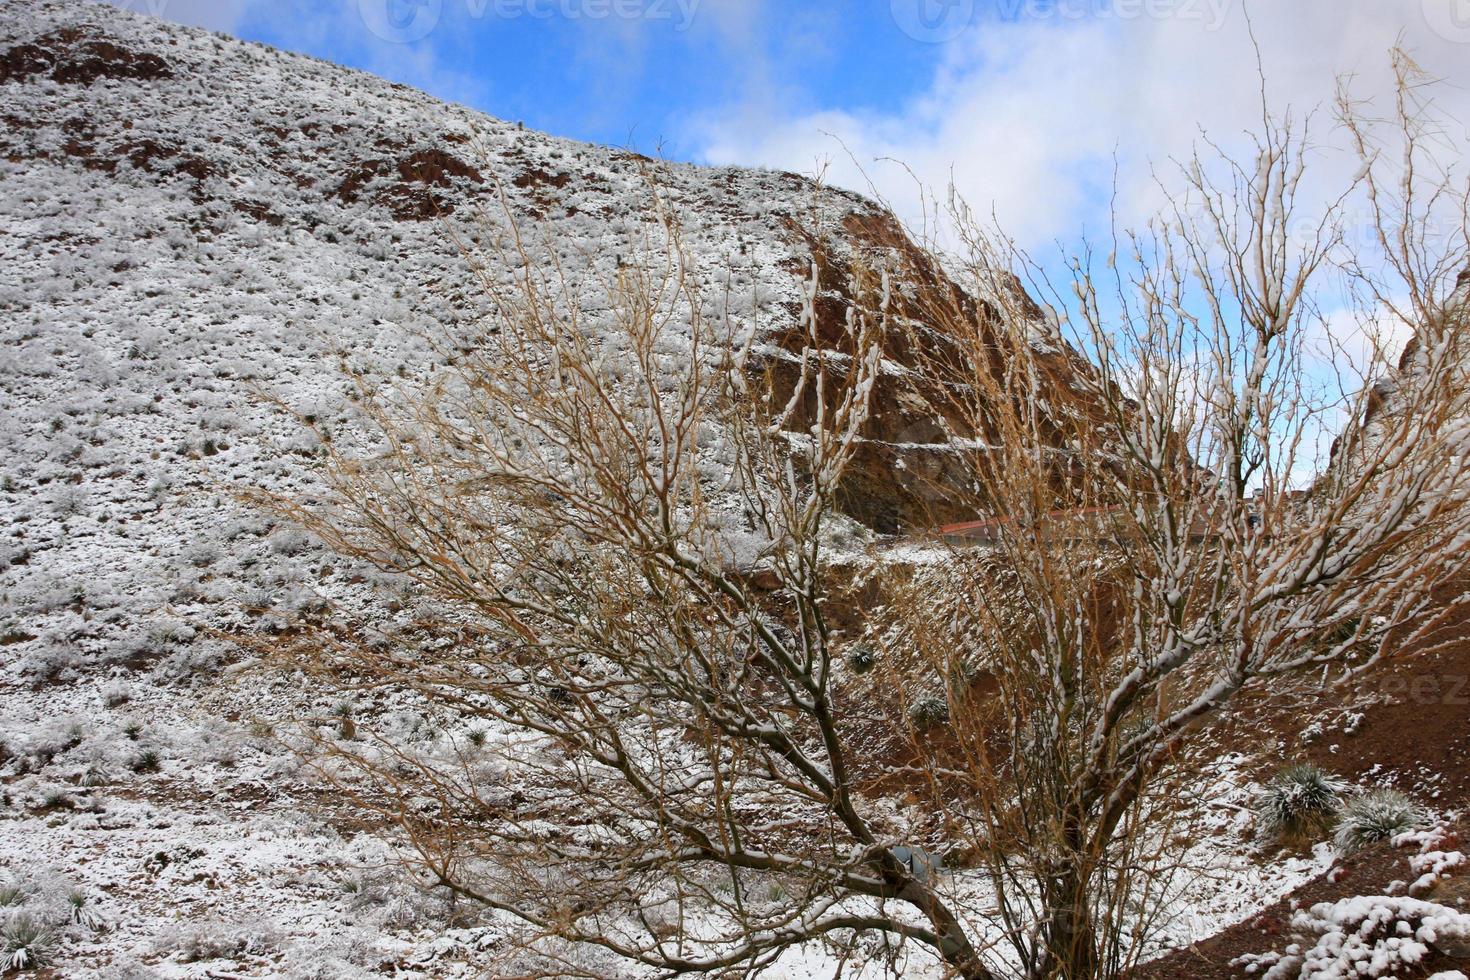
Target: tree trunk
959	953
1071	933
954	945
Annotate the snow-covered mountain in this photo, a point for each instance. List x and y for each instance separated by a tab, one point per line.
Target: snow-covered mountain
187	224
186	219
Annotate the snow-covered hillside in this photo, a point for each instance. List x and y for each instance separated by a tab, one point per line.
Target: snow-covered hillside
189	223
186	218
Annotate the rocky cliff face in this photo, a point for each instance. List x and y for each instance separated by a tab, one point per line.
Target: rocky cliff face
1387	399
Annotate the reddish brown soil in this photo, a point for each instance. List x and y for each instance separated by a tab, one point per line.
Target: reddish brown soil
1406	723
1367	873
409	196
1413	733
74	57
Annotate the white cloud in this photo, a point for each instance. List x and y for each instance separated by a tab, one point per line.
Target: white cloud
1027	113
1355	348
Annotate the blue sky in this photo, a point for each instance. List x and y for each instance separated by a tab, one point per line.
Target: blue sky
609	71
642	80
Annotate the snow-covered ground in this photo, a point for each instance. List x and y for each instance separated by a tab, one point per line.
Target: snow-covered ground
145	307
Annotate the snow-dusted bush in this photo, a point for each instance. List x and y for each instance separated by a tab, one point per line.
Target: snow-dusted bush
385	898
1366	936
95	775
1437	856
928	711
1376	816
862	659
82	911
1300	801
50	663
218	940
129	967
345	955
146	761
27	943
56	798
188	662
347	725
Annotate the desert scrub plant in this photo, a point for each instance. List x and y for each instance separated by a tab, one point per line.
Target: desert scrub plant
346	726
217	940
1361	936
1299	802
82	911
27	943
928	711
1377	815
862	659
73	736
145	761
95	775
56	799
12	895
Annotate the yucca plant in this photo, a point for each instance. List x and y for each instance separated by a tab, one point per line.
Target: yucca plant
27	943
347	726
95	775
928	712
1378	815
82	911
862	659
1300	802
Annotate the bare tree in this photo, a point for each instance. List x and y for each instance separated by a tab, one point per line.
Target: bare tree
1171	532
579	504
620	532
